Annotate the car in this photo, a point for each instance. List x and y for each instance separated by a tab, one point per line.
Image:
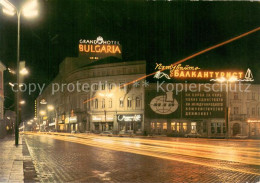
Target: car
193	135
106	133
53	130
87	132
73	132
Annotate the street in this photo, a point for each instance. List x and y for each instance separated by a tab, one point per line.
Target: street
64	157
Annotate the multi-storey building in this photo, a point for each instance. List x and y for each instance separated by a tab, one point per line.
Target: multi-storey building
237	109
91	96
245	111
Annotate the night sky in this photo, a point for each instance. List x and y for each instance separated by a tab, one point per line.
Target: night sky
162	32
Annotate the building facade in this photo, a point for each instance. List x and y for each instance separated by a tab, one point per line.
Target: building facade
222	114
91	96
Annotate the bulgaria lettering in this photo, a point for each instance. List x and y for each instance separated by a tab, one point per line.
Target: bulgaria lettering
99	46
86	48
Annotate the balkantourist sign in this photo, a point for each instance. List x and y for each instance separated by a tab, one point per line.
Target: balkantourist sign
99	48
193	72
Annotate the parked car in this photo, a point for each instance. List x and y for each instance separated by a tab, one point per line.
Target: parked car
193	135
106	133
87	132
52	130
74	132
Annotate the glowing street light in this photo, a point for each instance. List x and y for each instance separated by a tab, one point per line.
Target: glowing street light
50	107
29	10
24	71
22	102
42	113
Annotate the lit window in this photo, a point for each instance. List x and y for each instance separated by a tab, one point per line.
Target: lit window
138	102
193	126
224	127
218	127
153	125
184	127
95	86
110	103
164	126
129	102
110	86
103	103
103	86
158	125
212	128
96	103
178	127
173	128
121	102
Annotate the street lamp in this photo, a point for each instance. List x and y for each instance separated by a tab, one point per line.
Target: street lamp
42	113
52	108
22	102
29	10
232	79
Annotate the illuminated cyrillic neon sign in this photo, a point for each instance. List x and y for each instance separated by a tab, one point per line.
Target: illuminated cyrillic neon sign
194	72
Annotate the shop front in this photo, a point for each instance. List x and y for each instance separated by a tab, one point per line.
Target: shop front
217	128
71	123
254	128
130	123
102	123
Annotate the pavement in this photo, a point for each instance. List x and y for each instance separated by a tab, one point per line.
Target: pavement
15	162
61	157
92	158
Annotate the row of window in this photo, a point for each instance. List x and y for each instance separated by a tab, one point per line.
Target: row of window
253	111
175	126
109	86
112	72
250	96
121	102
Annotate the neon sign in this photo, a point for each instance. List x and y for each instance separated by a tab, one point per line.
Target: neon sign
194	72
99	48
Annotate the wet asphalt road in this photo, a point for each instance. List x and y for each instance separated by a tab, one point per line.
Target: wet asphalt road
75	159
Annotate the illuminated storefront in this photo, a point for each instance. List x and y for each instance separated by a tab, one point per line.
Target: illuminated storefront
186	112
130	122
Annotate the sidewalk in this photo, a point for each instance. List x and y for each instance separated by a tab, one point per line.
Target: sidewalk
11	160
15	162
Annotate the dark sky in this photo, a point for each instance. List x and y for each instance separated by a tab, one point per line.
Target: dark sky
155	31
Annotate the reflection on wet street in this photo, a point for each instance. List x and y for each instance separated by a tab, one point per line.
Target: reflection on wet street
92	158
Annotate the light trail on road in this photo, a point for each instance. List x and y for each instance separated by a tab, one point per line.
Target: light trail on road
200	154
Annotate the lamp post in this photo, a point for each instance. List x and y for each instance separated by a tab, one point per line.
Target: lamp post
28	10
42	113
52	108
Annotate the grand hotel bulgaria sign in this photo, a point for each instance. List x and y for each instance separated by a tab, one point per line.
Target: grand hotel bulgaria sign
99	48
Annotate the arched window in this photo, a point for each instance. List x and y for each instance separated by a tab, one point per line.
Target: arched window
110	103
96	103
103	105
121	102
129	102
137	102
